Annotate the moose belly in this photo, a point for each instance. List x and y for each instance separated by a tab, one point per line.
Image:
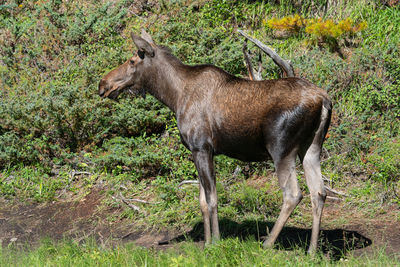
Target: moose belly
244	148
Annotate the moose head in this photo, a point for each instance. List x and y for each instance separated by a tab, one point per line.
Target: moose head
131	73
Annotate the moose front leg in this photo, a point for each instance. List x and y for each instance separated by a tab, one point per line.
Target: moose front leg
208	194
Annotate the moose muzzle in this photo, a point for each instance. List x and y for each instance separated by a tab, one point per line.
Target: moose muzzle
102	88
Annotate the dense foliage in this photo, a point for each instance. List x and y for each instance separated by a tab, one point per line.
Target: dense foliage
52	122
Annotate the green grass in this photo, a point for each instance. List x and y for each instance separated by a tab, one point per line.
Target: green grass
31	183
228	252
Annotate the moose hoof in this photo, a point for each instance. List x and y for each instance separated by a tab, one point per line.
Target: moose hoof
215	240
311	250
268	244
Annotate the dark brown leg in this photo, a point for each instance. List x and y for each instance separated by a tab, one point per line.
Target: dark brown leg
208	194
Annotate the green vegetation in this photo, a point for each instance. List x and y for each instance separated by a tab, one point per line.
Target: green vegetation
229	252
53	124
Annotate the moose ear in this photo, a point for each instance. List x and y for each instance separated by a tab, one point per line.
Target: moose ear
143	45
147	37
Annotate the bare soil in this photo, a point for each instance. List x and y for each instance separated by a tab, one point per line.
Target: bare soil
77	220
23	224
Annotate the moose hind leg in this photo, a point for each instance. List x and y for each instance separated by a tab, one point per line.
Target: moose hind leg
312	171
286	172
310	157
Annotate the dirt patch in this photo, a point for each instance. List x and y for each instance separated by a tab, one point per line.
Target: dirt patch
27	223
89	218
77	220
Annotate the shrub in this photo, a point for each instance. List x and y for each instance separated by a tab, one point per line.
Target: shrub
15	150
292	24
383	162
330	29
325	31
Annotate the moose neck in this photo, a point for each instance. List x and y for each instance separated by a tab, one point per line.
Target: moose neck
166	82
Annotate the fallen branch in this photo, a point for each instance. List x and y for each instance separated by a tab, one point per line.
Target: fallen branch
135	208
188	182
253	75
285	66
328	188
73	173
334	198
140	201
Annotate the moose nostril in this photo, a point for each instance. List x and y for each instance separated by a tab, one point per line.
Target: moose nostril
102	89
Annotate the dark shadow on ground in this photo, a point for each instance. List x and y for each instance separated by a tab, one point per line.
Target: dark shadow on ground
334	243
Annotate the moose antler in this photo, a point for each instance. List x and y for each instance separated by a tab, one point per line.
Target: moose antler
285	65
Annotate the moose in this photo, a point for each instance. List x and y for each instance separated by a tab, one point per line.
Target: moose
218	113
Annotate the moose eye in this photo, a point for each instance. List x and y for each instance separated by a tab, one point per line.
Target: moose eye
141	54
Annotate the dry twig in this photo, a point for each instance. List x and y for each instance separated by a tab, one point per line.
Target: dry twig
73	173
140	201
188	182
334	198
328	188
254	76
135	208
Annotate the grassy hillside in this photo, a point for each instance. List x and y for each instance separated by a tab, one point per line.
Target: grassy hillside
58	139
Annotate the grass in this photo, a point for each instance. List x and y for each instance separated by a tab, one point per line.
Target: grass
31	182
228	252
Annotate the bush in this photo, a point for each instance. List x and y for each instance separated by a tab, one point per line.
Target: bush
291	24
15	150
383	162
320	31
